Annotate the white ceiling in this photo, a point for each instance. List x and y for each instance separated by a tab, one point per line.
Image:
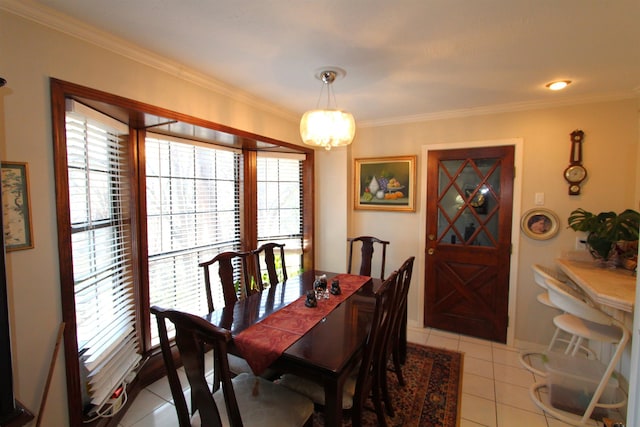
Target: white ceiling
404	59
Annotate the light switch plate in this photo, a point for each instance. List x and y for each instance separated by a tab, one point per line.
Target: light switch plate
539	199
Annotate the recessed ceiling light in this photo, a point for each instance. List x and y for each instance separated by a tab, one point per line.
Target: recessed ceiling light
558	85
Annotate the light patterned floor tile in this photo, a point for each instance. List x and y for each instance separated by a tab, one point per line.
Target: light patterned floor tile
445	334
467	423
439	341
478	386
505	356
516	396
510	416
161	387
474	340
479	410
165	416
478	351
513	375
417	336
480	367
146	402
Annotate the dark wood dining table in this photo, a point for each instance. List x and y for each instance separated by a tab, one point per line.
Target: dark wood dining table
328	352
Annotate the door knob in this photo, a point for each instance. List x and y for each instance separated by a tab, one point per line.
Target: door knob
431	251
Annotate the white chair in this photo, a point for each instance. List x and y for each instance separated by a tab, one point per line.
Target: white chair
589	323
573	343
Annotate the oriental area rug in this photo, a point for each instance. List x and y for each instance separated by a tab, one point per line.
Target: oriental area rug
431	395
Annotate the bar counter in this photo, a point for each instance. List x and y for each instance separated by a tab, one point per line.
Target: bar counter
615	288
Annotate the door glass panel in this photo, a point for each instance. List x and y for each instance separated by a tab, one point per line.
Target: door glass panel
468	202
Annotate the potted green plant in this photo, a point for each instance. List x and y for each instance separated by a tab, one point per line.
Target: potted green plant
605	230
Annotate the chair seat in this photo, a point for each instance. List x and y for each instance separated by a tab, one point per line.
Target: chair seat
265	409
238	365
543	298
314	390
586	329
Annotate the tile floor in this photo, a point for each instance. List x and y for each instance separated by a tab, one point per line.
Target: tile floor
495	388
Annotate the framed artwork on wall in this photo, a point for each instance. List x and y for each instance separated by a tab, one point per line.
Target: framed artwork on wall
385	183
540	224
16	207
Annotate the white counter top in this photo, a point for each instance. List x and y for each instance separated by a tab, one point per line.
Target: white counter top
615	288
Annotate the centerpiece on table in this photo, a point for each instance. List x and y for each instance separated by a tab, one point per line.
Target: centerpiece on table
611	238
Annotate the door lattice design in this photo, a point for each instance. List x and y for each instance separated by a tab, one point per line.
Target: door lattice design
468	196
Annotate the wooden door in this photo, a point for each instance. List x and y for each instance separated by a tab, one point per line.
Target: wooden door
469	209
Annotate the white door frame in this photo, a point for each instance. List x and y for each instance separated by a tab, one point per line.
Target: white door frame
515	224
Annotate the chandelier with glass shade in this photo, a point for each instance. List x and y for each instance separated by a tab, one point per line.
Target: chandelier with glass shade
330	127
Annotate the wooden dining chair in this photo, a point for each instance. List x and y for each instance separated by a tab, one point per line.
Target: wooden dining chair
363	383
366	254
267	253
233	286
244	400
395	340
398	336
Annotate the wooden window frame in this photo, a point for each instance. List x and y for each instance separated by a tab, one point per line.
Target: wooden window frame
140	117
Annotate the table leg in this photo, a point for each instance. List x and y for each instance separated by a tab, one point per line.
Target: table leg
333	402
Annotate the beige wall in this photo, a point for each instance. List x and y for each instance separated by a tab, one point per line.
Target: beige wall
610	156
31	53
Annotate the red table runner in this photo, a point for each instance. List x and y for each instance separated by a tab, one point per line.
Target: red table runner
261	344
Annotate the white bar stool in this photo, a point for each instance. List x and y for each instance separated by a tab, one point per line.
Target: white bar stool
589	323
574	343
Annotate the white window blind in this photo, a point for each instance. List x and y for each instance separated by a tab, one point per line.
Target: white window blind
99	199
193	213
279	179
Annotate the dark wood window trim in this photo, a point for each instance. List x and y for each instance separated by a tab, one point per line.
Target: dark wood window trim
140	117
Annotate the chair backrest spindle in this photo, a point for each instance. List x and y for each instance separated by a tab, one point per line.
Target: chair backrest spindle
268	251
225	261
367	250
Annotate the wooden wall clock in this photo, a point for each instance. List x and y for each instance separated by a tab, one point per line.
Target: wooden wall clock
575	173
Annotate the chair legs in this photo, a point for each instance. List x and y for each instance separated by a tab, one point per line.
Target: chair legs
573	345
383	388
397	365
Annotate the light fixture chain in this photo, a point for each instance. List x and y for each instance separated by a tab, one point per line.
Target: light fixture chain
320	96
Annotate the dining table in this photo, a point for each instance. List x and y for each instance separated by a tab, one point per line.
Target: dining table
329	350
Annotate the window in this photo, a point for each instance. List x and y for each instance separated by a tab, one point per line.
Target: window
143	196
101	247
280	205
193	213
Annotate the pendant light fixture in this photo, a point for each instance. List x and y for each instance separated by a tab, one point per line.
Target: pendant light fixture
330	127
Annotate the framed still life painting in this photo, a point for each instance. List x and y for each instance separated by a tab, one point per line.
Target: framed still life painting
385	183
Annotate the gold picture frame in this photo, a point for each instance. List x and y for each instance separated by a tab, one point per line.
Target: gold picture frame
385	183
540	224
16	206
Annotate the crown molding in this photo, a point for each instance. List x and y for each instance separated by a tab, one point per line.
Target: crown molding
499	109
55	20
30	10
